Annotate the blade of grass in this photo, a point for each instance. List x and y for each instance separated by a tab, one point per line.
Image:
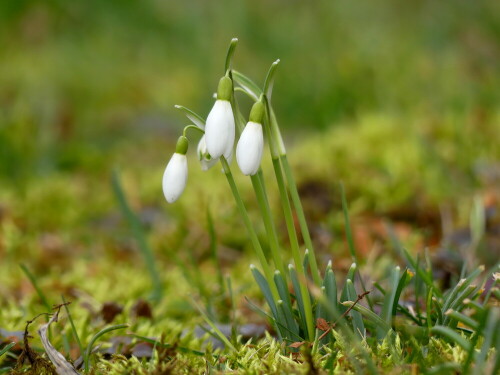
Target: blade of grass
357	320
390	302
6	348
214	327
286	304
34	282
213	249
452	336
464	319
97	336
403	281
460	287
491	329
73	328
164	345
265	289
300	300
139	235
350	240
330	286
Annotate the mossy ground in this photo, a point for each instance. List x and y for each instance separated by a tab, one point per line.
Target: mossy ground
405	114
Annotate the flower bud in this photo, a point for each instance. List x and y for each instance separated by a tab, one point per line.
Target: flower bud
175	177
249	148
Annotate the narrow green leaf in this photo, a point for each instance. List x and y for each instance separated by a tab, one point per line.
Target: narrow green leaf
464	319
191	115
298	296
139	235
347	224
247	84
6	348
444	368
357	320
461	286
213	249
286	304
330	286
34	282
165	345
451	335
214	327
403	282
265	289
377	320
88	352
73	328
282	289
457	304
491	329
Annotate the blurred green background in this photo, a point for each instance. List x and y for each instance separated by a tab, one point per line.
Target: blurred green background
398	99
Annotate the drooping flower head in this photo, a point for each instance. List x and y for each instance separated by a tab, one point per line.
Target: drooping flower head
251	142
220	128
176	172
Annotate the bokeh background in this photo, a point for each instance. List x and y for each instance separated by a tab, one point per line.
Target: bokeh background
399	100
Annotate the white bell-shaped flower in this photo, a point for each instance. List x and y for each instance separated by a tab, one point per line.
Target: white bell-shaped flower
249	148
220	128
205	158
176	172
251	143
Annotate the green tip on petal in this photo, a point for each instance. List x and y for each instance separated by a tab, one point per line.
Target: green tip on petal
257	112
182	145
225	89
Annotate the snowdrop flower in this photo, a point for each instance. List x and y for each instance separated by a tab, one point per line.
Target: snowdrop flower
175	176
219	129
206	160
251	143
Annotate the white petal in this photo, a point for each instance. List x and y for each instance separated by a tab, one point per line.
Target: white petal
202	147
205	158
249	148
219	130
175	177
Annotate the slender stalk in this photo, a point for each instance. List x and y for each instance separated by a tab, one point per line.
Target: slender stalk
292	234
251	231
287	211
350	240
259	187
260	192
292	187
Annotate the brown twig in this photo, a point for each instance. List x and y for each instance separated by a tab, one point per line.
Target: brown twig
360	297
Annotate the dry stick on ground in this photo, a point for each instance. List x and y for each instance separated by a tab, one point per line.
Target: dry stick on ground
38	364
27	352
63	367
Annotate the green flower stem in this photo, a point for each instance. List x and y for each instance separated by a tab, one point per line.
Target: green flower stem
292	187
259	187
294	242
274	145
194	127
251	231
260	192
